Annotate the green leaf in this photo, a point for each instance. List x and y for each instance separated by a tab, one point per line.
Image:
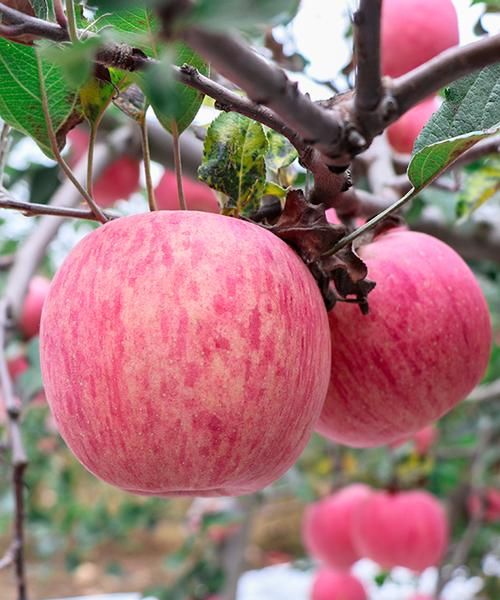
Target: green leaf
233	161
41	9
138	26
242	13
175	101
470	112
480	186
273	189
281	153
20	103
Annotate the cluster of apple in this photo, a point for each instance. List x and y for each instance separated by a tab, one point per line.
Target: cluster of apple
413	32
406	529
189	353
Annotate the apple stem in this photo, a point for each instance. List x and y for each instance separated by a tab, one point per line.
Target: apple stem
55	149
90	159
146	155
372	222
178	165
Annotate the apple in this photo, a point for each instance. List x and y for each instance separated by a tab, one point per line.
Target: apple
406	529
327	526
422	597
403	132
17	365
334	585
491	505
185	353
423	439
117	182
29	320
421	349
198	195
414	31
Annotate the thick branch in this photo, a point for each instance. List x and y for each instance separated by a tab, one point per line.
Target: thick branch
454	63
486	392
27	24
369	88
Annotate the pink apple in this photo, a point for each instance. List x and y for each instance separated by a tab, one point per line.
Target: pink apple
334	585
117	182
421	349
414	31
17	365
327	526
406	529
29	321
403	132
491	505
185	353
422	597
198	195
423	439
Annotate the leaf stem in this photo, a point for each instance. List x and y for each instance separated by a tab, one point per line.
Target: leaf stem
146	155
71	18
55	149
372	222
178	165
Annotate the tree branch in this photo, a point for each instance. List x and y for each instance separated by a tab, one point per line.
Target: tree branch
369	90
452	64
15	554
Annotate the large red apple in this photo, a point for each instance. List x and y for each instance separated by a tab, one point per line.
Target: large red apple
491	505
29	321
327	526
334	585
421	349
406	529
185	353
198	195
414	31
403	132
118	181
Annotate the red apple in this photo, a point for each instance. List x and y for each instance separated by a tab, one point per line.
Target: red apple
414	31
17	366
327	526
423	439
333	585
422	597
185	353
421	349
403	132
491	505
198	195
117	182
29	321
406	529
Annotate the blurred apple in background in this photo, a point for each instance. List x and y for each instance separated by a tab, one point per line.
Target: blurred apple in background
198	195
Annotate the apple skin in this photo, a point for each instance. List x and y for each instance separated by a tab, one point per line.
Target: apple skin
406	529
334	585
421	349
118	181
423	439
403	132
414	31
185	353
198	195
492	505
29	320
327	526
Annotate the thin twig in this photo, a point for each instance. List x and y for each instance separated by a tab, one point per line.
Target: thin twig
31	209
147	164
4	149
59	13
71	19
18	457
369	88
178	165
